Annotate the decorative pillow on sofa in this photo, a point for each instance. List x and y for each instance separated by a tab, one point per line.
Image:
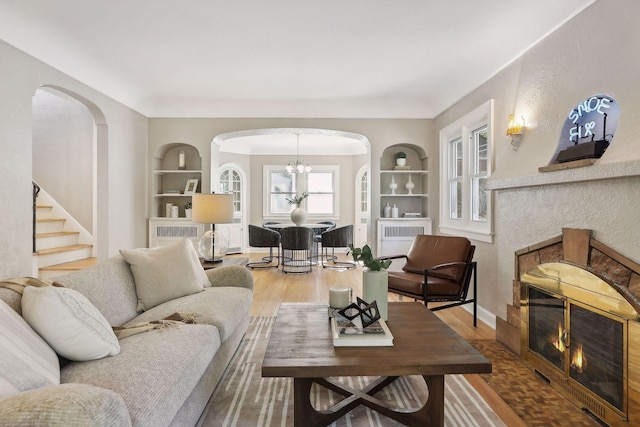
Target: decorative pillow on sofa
68	321
26	361
165	273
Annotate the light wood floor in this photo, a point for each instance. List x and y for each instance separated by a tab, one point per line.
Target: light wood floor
271	287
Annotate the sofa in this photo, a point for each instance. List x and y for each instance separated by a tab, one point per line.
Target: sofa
161	376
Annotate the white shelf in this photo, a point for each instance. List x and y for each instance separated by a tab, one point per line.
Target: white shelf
175	171
404	195
404	172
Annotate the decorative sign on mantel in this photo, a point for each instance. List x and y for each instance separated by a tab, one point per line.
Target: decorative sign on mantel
588	130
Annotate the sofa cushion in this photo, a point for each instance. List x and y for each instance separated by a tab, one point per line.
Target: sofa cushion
155	371
51	407
26	360
164	273
223	307
109	286
71	325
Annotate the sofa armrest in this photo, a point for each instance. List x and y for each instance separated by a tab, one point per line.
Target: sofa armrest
58	405
230	275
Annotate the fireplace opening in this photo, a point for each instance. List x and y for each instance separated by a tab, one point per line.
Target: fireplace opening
575	333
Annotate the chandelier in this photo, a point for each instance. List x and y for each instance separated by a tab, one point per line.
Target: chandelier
298	166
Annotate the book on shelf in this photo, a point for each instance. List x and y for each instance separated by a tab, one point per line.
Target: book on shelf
350	333
402	168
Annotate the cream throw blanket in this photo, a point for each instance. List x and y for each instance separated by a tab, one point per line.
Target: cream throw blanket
19	283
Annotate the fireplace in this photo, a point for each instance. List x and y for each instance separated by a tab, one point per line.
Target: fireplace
575	329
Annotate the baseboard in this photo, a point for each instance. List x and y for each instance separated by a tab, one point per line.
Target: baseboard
484	315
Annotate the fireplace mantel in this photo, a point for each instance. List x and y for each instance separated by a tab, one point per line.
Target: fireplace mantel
595	172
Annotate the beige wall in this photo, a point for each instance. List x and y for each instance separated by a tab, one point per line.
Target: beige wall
122	156
594	53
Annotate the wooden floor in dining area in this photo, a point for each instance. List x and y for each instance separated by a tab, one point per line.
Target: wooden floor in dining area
512	390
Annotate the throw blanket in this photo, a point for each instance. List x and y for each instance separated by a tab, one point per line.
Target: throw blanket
18	284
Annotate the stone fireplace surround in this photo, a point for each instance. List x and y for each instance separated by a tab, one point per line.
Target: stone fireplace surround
576	246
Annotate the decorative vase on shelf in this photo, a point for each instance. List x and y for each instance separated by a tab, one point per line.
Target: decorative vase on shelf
375	287
409	185
387	211
401	161
393	185
298	216
394	211
187	213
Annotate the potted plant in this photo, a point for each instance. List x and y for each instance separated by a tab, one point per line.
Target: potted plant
401	158
298	215
187	209
375	280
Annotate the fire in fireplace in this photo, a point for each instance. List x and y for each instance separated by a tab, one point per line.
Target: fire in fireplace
574	333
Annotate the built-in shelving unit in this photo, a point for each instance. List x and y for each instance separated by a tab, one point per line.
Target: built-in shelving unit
395	234
168	186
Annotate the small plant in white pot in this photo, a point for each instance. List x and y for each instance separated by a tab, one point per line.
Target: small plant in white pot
187	209
375	279
401	158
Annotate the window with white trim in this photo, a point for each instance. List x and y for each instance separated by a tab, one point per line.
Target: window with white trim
465	165
321	184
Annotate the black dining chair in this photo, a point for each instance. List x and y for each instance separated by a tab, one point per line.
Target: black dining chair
317	236
260	237
340	237
297	246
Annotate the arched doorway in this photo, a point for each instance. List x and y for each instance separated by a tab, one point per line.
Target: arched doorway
70	157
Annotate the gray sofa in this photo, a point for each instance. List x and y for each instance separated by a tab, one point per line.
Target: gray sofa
160	377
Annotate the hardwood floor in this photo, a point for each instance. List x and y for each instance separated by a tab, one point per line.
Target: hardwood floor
271	287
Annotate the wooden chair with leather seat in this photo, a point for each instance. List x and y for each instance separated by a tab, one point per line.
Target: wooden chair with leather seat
445	264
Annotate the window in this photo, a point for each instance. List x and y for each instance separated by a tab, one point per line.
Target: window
465	160
321	184
230	182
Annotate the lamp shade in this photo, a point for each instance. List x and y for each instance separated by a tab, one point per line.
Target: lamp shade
212	208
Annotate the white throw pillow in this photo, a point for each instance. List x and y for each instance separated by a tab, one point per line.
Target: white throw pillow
165	273
26	361
68	321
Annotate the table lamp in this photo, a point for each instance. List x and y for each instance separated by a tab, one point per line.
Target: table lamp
213	209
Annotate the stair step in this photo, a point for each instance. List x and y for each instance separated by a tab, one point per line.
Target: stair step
62	249
56	234
56	239
72	266
49	225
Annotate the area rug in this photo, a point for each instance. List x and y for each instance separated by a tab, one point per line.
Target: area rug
244	398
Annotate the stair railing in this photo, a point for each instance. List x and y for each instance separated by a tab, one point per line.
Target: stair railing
36	190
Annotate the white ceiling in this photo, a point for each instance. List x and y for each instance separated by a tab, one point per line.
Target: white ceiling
282	58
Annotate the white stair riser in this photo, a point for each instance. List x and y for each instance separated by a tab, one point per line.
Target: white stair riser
49	227
43	213
62	257
56	241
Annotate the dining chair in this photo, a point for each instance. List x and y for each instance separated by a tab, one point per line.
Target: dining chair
297	246
437	269
317	236
260	237
340	237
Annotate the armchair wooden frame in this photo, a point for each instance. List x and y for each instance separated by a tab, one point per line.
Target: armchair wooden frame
429	296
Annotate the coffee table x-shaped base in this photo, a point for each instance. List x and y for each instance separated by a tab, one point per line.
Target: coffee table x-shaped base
430	414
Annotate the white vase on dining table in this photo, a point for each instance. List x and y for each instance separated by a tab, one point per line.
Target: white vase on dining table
298	216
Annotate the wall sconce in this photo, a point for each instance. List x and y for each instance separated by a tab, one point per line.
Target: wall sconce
515	130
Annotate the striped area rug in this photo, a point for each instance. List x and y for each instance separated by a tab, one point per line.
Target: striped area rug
243	398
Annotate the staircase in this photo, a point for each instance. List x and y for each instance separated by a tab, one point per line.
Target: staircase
58	249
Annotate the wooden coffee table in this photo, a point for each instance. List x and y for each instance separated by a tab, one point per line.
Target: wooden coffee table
301	347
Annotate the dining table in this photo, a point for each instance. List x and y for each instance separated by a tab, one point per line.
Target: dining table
317	228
